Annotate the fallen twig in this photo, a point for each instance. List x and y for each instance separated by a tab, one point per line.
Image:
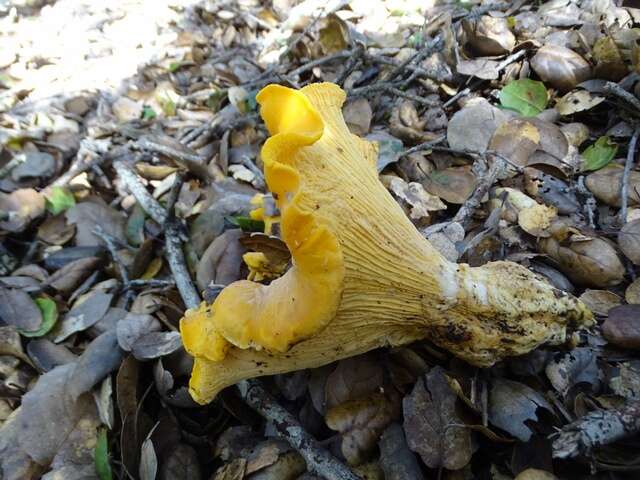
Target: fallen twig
143	197
624	187
600	427
466	210
319	460
390	88
619	92
424	146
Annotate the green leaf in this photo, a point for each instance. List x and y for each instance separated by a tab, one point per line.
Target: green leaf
247	224
173	66
135	226
599	154
59	200
103	468
148	113
527	97
49	311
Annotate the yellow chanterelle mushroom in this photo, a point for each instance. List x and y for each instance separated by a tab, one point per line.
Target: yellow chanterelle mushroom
362	275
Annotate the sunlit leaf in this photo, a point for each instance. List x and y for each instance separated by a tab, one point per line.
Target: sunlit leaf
599	154
49	311
59	200
527	97
103	468
148	113
247	224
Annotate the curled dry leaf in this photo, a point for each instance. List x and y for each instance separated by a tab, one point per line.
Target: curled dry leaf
357	114
627	382
551	191
535	474
353	378
577	101
416	199
632	293
361	422
472	127
67	278
489	35
17	308
629	241
21	207
560	67
454	184
396	460
82	316
89	215
572	368
429	413
600	301
533	217
513	403
221	262
586	261
605	185
622	326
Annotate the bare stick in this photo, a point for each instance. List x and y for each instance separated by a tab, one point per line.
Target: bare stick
600	427
475	200
173	245
319	460
617	91
386	87
138	190
624	188
424	145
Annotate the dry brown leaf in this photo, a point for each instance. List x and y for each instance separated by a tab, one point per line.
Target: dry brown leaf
222	260
454	184
357	115
622	326
577	101
353	378
560	67
429	415
605	185
22	207
361	422
415	198
489	35
586	261
629	241
632	294
600	301
472	127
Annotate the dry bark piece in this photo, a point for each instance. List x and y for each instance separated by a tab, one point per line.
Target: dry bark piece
622	327
375	279
560	67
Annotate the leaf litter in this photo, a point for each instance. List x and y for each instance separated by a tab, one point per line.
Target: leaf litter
91	363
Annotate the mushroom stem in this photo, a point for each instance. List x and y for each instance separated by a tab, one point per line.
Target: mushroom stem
363	276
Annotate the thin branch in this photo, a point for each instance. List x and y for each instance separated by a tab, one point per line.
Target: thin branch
466	210
619	92
319	460
624	188
424	146
138	190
